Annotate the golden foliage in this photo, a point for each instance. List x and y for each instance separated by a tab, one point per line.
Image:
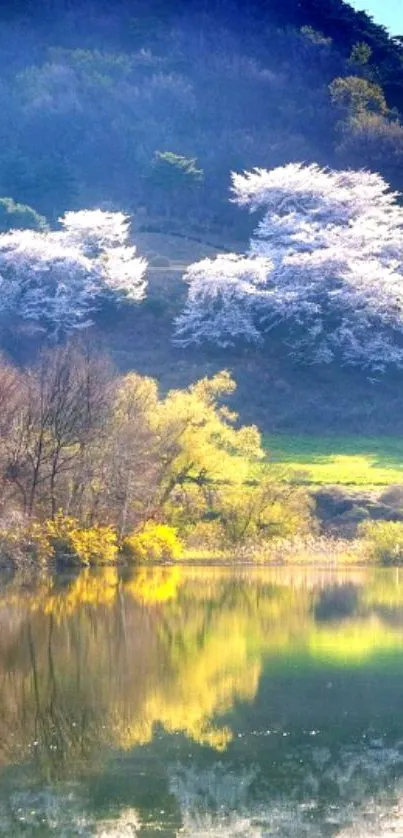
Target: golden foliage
383	541
153	542
61	537
93	545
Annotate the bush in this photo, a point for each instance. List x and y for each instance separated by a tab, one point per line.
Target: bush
159	262
393	496
155	306
62	539
206	535
262	512
69	541
383	541
23	543
153	542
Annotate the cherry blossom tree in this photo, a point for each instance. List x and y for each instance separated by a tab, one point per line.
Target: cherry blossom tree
60	278
325	263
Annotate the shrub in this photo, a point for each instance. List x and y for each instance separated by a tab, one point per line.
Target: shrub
393	496
153	542
206	535
159	262
383	541
155	306
62	539
69	541
22	543
262	512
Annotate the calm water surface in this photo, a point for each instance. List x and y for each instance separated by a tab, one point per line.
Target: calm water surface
202	703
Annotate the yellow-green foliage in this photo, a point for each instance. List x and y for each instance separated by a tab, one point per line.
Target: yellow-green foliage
260	512
63	536
153	542
199	436
383	541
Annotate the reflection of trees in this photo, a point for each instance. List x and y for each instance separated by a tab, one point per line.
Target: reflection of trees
76	675
103	660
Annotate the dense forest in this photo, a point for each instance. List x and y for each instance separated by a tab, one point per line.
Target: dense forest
147	106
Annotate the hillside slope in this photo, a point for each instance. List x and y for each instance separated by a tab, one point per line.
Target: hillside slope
272	391
93	92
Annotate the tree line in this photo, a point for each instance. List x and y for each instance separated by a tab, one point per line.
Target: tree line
83	449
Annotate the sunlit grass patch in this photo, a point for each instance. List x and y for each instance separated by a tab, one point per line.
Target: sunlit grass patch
348	460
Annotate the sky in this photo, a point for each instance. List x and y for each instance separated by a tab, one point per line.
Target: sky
387	12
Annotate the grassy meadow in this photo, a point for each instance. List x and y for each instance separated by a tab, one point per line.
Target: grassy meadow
350	460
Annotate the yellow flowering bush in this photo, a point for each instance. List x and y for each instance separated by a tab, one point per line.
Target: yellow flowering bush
92	545
153	542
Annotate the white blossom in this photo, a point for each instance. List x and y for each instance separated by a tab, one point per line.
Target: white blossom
222	298
326	260
107	229
60	278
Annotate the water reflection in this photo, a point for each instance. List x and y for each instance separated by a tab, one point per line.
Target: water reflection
202	702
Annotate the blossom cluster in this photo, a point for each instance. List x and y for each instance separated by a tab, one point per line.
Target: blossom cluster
326	260
59	278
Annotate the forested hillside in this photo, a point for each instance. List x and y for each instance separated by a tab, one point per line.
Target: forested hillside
149	105
146	108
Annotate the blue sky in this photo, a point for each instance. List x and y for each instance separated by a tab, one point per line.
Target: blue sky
387	12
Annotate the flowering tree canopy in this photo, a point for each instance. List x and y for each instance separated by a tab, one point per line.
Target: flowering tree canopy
59	278
326	261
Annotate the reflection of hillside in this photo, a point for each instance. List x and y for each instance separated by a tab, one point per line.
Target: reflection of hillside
103	661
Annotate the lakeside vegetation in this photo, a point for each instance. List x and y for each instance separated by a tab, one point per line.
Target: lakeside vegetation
92	462
100	468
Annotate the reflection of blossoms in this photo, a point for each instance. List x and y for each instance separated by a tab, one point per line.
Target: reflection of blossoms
126	825
63	814
325	260
59	278
214	801
228	800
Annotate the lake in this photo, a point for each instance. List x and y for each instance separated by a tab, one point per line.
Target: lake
202	702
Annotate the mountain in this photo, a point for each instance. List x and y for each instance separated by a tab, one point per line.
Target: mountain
147	106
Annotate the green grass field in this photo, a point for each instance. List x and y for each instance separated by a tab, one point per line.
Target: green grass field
347	460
